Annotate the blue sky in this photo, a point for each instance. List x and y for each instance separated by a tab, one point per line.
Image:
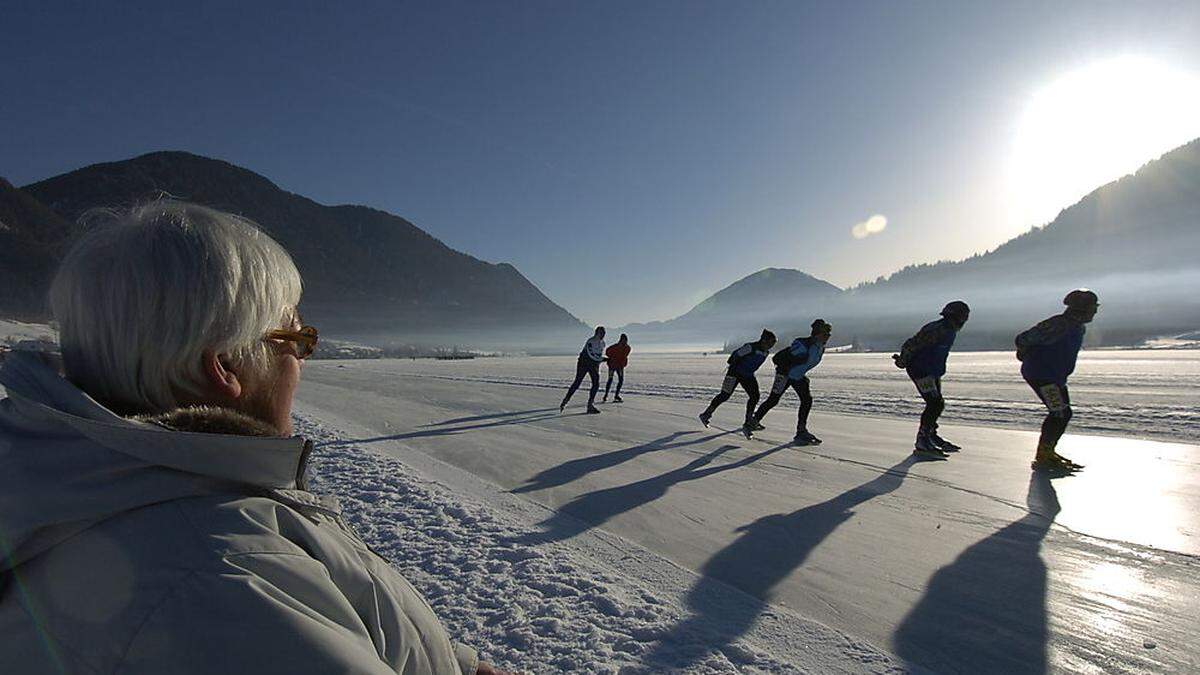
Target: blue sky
629	157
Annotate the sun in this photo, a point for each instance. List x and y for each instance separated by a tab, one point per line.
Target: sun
1094	125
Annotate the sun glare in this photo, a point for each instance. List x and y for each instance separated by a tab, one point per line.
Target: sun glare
1093	125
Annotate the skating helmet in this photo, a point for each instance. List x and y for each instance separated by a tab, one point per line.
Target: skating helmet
1081	298
956	309
821	326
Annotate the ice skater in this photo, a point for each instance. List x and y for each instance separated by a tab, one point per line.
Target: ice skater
924	356
743	363
1047	353
792	364
590	358
617	357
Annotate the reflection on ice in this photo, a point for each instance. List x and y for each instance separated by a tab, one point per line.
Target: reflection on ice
1132	490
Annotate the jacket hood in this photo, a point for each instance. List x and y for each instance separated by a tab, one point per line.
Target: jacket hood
68	463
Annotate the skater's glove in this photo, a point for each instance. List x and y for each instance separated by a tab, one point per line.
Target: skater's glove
899	361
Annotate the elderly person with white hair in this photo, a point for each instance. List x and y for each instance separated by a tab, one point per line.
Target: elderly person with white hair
153	511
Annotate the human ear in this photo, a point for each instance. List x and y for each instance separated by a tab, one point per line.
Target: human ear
219	375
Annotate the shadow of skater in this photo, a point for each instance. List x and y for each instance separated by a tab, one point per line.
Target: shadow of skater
596	508
768	550
577	468
480	418
986	611
448	431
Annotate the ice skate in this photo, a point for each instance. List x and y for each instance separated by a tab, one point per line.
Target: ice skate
592	410
943	444
926	447
704	419
1067	462
617	399
1052	466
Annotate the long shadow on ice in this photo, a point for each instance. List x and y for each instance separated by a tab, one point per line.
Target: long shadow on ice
986	611
596	508
766	552
480	418
450	431
578	468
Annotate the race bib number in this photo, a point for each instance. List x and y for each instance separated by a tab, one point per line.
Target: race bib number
780	384
729	384
1053	398
927	385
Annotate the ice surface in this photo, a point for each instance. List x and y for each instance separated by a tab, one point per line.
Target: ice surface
1140	393
968	565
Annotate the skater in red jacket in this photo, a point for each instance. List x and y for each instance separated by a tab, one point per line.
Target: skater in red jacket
618	358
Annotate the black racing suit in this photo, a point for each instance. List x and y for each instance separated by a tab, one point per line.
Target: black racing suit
781	384
743	363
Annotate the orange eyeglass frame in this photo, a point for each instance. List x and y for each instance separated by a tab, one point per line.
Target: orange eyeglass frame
305	339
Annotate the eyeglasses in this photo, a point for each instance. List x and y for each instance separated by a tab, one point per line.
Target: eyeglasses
305	339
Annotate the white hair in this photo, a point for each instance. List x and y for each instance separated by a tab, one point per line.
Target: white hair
140	298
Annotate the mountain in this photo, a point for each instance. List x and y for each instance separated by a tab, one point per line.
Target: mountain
766	297
32	239
368	275
1136	241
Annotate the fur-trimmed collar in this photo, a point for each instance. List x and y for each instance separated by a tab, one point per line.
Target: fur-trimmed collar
210	419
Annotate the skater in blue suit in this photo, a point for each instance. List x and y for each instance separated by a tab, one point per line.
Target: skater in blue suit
1047	353
792	364
743	363
924	356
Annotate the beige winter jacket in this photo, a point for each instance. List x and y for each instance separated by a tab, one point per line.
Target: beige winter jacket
184	544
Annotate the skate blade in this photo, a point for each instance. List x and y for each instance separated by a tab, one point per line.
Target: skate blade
1054	468
930	454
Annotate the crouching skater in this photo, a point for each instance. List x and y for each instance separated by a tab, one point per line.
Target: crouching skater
743	363
153	510
924	357
792	364
1048	352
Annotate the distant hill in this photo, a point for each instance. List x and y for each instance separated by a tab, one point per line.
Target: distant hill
1136	241
368	274
767	296
32	239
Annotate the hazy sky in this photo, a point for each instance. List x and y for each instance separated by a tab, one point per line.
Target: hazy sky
629	158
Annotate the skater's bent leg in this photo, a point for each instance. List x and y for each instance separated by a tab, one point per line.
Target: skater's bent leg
806	401
720	398
608	385
620	379
751	386
770	402
930	389
1058	402
580	371
934	405
594	372
726	391
778	386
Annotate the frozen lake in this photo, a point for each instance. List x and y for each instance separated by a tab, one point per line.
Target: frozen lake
760	548
1137	393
